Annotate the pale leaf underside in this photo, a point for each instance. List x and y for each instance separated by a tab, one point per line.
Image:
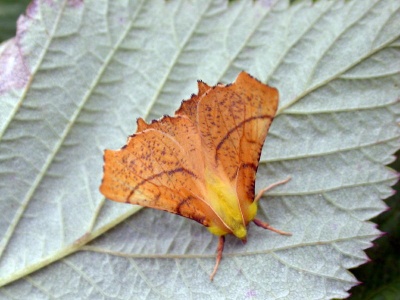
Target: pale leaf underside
77	76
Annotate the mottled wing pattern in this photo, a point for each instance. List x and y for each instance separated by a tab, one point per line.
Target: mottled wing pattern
261	106
233	121
155	169
221	129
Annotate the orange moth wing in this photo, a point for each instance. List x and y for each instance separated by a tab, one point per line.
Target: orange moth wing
202	162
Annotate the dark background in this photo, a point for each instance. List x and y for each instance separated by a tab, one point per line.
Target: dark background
380	278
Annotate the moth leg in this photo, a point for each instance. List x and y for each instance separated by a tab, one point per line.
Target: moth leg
258	197
220	249
271	186
269	227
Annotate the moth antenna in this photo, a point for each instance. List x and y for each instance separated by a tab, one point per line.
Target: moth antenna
270	187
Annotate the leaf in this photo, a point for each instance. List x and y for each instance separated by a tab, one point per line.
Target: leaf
77	75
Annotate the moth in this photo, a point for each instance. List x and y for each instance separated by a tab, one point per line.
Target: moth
202	162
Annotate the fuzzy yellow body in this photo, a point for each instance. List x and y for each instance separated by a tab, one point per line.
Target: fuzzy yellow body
223	198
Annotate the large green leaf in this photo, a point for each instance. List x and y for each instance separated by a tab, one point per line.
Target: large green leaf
78	74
